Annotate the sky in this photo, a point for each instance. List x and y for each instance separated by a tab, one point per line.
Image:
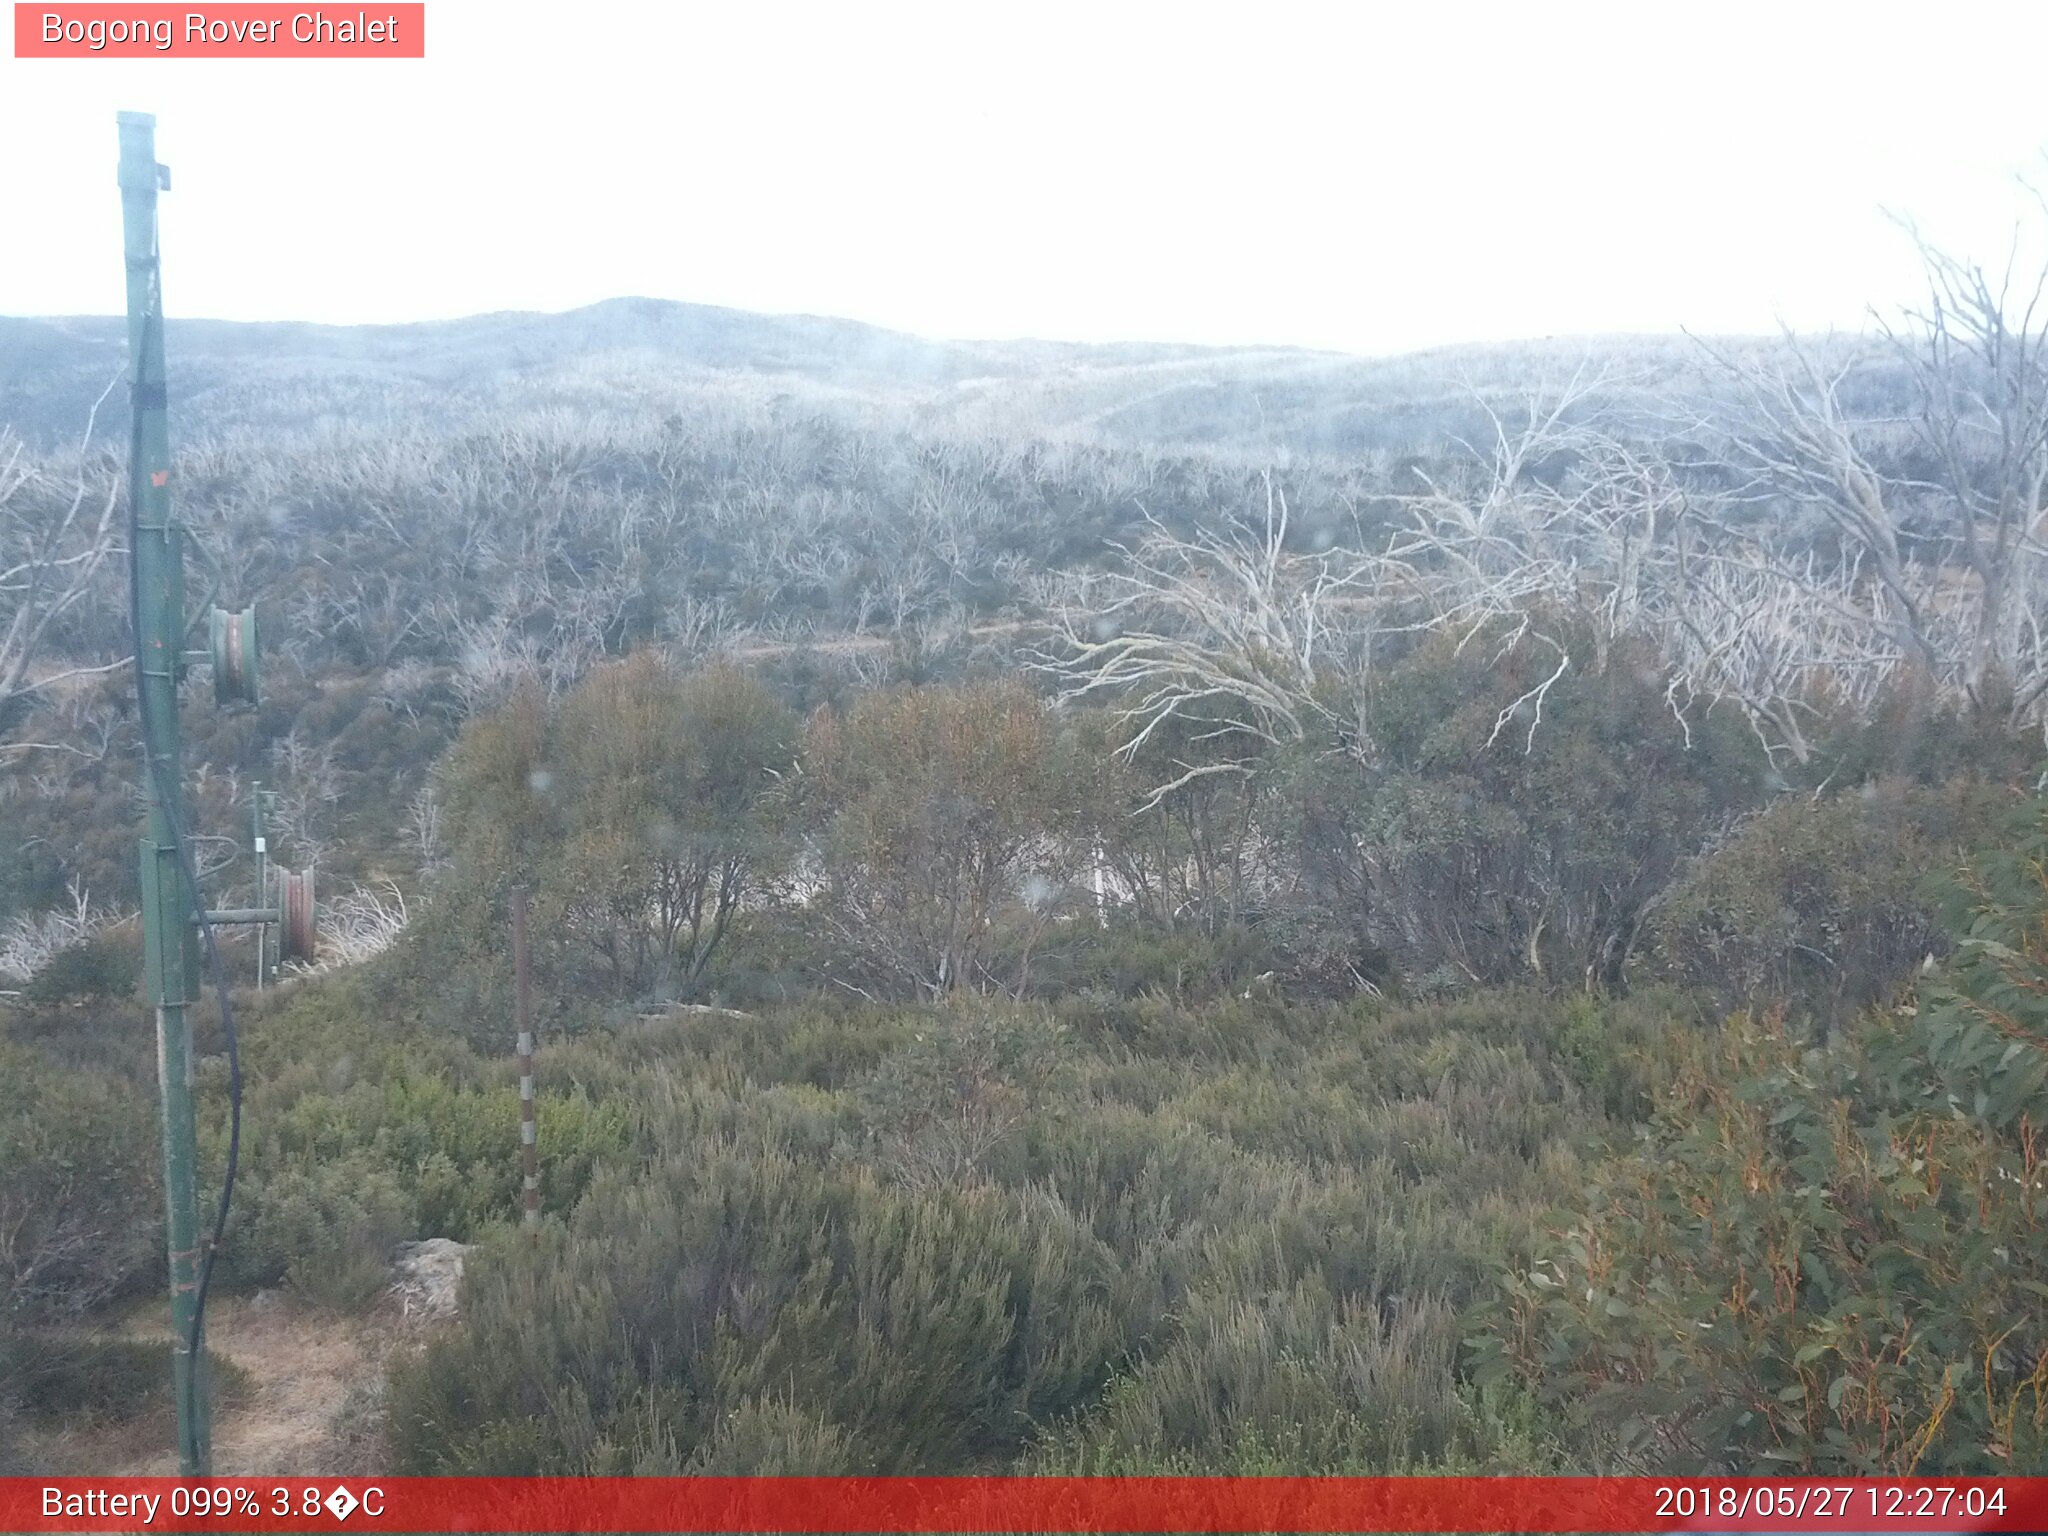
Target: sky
1363	177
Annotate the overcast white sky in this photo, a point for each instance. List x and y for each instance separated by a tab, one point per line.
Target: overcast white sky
1367	177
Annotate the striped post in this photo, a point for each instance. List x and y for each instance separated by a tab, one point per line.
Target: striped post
522	1012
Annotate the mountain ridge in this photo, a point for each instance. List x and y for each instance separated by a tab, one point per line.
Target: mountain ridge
231	375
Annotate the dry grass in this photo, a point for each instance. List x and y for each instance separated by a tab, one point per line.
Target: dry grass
312	1405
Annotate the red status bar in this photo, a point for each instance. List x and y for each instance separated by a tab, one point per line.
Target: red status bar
1024	1504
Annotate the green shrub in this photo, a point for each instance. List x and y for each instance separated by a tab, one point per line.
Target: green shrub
326	1231
839	1236
81	1208
1129	959
944	1103
68	1381
359	1133
1819	903
1828	1261
104	968
930	1327
1621	1051
762	1437
952	828
1477	844
1292	1379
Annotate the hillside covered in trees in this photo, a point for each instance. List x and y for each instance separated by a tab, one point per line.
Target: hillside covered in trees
1101	910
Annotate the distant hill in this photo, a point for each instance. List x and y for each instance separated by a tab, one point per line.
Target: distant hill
229	377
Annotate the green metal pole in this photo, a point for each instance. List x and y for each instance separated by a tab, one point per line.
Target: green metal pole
171	961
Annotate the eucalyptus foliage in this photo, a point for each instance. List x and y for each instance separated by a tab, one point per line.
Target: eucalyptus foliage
1825	1260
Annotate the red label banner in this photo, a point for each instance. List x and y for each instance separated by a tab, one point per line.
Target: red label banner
225	31
1023	1504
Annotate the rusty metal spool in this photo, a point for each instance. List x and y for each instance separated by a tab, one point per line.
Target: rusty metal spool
233	637
298	934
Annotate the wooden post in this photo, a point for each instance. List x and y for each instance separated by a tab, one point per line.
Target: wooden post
522	1011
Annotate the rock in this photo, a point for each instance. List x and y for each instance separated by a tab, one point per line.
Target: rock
268	1299
429	1277
655	1016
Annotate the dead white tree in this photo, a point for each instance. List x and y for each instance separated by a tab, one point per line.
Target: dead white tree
1552	518
491	660
1937	506
1801	446
1774	631
1225	630
423	831
53	543
1980	368
356	926
30	942
1565	520
1558	534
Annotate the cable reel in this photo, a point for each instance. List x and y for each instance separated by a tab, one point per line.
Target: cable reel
232	650
298	931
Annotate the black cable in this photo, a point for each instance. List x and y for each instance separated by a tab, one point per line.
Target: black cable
166	797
